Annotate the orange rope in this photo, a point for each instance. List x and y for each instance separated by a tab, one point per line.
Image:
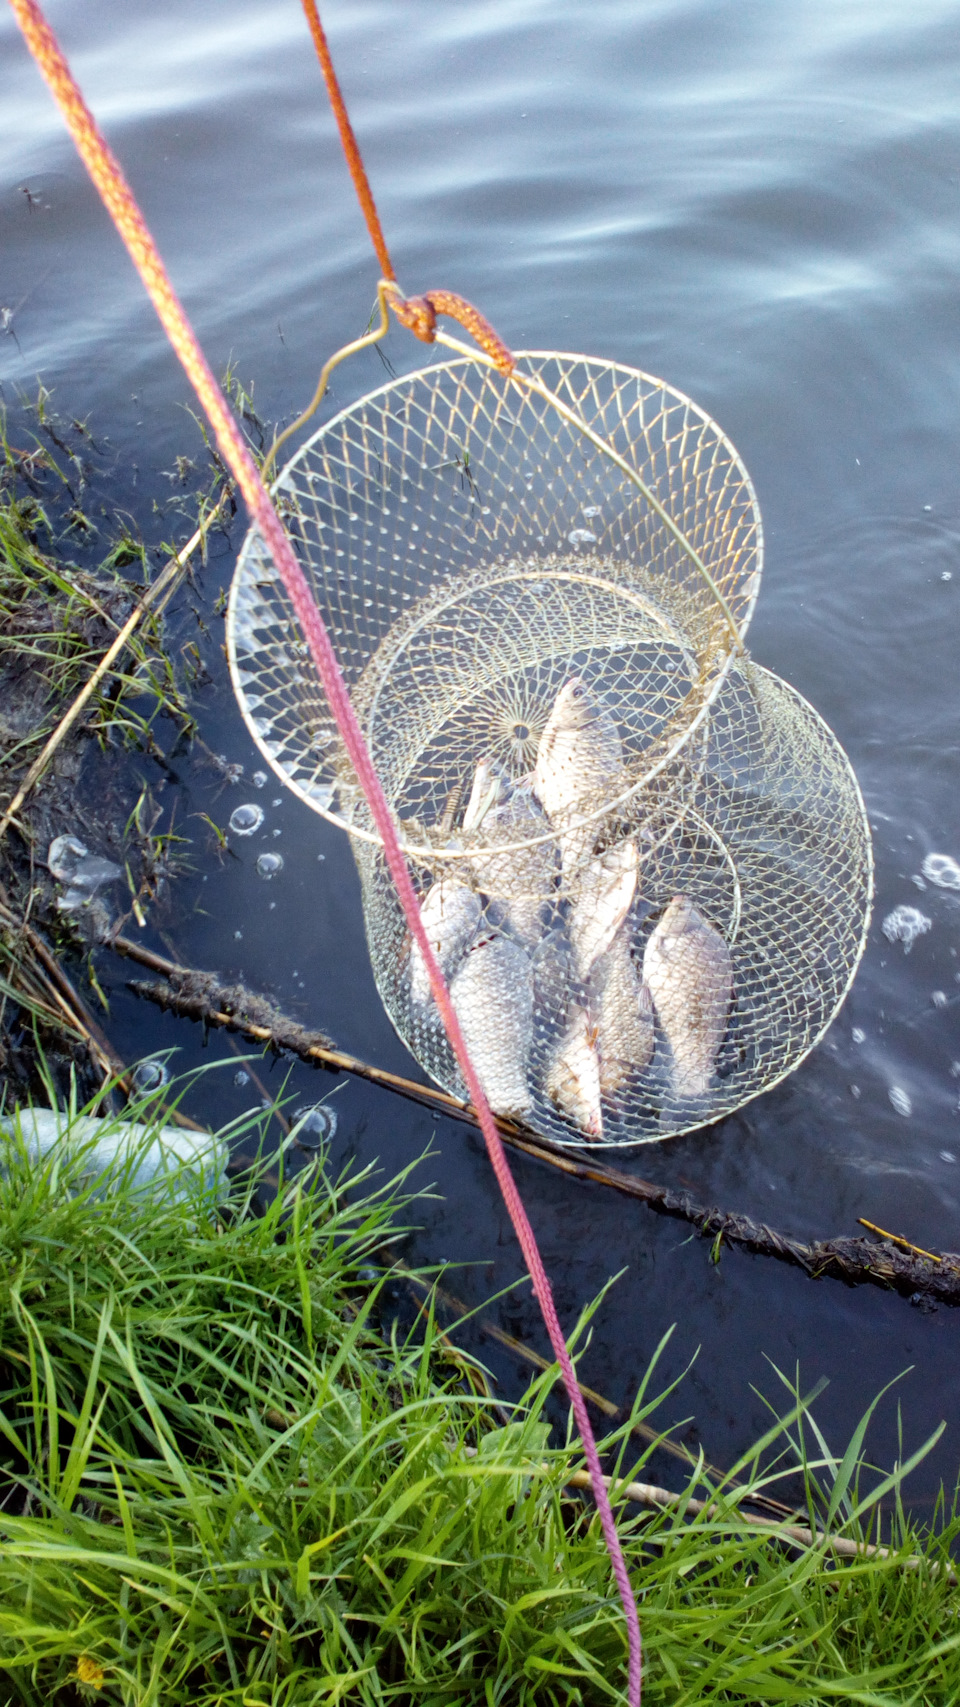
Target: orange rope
119	200
361	182
417	313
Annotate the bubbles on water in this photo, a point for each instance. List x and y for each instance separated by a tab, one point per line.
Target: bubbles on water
946	575
901	1100
904	925
581	536
942	870
590	510
315	1126
269	865
939	998
150	1076
858	1035
245	819
259	779
241	1078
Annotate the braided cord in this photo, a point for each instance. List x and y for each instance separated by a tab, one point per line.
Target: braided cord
119	200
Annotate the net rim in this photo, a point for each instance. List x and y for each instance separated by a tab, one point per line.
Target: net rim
418	851
701	1124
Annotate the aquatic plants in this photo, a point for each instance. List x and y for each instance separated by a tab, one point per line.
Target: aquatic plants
231	1475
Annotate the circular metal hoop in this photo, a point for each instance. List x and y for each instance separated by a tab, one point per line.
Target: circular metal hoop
767	834
456	530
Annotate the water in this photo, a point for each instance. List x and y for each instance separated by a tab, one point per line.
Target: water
761	204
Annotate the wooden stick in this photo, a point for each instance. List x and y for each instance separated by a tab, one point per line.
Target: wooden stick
607	1406
895	1239
199	995
647	1494
163	582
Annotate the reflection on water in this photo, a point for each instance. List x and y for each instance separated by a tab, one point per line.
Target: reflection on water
762	204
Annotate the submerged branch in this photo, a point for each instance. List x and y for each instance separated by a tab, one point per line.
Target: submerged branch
856	1261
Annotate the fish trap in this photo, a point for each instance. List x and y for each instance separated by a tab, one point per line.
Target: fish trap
762	829
471	541
483	550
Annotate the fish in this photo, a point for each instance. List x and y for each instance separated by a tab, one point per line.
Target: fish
622	1009
492	995
451	913
579	765
689	972
490	784
521	880
572	1079
603	898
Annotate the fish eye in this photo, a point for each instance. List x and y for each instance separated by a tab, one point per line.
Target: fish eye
578	691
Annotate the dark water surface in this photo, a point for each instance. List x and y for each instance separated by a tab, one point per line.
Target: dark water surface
761	203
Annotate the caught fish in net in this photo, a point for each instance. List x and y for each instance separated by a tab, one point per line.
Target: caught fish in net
643	861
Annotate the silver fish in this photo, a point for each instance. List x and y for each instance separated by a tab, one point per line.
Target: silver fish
492	994
451	912
689	971
524	879
573	1076
604	896
622	1008
579	762
490	784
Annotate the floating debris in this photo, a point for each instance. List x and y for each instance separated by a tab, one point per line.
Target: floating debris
241	1078
858	1035
269	865
244	820
581	536
939	998
942	870
259	779
900	1100
72	863
171	1160
315	1126
904	925
150	1075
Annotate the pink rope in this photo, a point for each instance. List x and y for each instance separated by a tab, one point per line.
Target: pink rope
123	208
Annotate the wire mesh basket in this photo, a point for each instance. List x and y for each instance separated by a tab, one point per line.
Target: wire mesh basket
468	546
761	830
643	862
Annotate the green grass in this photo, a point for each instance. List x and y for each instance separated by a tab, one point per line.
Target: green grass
225	1480
58	617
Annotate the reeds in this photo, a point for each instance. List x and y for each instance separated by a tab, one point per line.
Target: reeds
232	1477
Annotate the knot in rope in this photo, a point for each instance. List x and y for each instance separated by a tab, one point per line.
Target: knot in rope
419	315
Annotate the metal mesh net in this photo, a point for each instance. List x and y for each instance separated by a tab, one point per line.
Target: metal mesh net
478	503
643	862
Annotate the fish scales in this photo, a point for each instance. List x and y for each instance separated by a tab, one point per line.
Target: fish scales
451	913
623	1010
604	896
572	1080
492	995
579	766
689	971
522	879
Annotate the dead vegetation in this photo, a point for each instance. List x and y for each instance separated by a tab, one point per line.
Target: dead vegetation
87	681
